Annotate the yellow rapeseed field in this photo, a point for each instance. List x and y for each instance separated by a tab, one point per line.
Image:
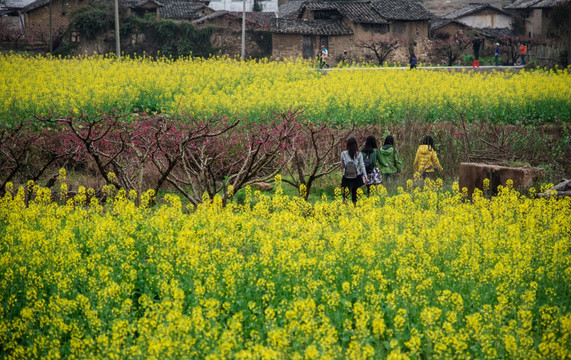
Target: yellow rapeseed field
254	89
421	274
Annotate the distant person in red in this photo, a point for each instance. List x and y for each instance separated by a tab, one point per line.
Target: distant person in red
522	52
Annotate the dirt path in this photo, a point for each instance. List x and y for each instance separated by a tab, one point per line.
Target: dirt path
432	68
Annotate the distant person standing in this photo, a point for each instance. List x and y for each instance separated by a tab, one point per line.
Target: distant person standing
522	52
413	61
497	53
476	43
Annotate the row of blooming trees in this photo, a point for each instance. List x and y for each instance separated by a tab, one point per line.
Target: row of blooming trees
189	156
445	48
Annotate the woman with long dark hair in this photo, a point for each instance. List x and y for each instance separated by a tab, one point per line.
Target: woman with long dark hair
426	159
354	174
372	157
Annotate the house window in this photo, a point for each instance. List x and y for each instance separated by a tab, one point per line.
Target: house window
327	15
377	28
75	36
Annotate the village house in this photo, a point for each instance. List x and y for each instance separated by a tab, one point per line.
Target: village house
168	9
36	16
39	14
534	15
228	35
11	26
481	16
489	22
341	26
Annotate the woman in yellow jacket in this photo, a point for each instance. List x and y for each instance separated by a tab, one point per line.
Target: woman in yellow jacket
426	159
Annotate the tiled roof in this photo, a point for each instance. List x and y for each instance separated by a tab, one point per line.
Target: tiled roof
534	4
36	4
290	8
309	27
138	3
182	10
438	23
495	33
357	12
470	9
401	10
208	17
261	19
549	3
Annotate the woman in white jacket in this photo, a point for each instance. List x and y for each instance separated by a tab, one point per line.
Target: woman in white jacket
354	174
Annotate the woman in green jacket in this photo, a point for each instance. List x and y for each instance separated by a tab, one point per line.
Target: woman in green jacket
390	157
372	157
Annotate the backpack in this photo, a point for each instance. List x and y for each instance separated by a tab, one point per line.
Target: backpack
350	169
370	162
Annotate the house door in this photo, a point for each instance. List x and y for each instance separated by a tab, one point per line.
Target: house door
324	40
307	47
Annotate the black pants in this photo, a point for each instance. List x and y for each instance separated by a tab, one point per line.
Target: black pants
428	175
352	185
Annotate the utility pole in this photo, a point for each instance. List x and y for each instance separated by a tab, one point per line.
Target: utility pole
117	37
51	30
243	29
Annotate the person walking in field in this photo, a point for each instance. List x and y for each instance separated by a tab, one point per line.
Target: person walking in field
390	157
354	174
372	157
426	159
323	56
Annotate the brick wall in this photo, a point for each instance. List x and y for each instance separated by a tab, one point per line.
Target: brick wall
286	45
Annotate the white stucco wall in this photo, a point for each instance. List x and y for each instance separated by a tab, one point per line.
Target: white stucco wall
495	21
237	5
